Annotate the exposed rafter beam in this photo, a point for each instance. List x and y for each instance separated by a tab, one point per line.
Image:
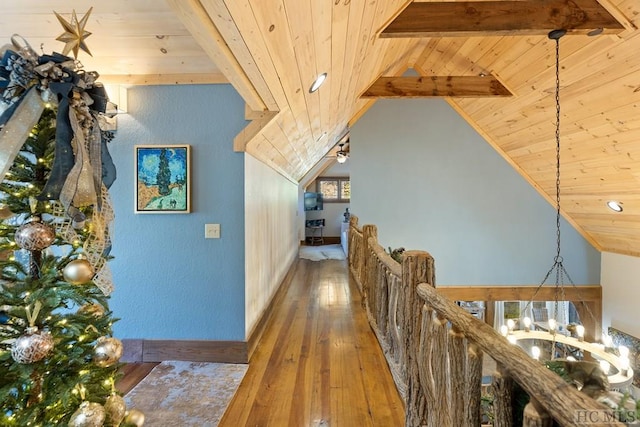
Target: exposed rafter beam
486	18
164	79
199	24
421	87
259	120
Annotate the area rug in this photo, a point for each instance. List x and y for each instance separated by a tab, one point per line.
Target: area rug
177	393
319	253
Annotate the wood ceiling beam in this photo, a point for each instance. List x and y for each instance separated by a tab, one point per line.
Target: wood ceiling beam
435	86
491	18
199	24
164	79
260	119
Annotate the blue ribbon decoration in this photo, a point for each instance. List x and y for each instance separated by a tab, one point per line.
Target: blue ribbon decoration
62	88
63	157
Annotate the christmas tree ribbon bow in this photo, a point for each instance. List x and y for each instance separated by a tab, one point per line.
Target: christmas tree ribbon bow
28	80
82	168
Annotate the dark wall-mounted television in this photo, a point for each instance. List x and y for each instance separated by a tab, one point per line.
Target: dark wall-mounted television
312	201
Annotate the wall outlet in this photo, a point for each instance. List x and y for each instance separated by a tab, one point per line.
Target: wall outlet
212	231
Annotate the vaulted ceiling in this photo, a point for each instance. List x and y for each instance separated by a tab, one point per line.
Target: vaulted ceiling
272	50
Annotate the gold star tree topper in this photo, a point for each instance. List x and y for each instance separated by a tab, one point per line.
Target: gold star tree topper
74	33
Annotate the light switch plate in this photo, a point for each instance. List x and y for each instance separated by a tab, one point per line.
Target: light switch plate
212	231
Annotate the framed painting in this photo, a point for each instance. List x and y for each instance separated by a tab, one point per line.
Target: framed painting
163	182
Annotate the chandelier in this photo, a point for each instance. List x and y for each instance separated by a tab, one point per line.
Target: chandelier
341	155
614	362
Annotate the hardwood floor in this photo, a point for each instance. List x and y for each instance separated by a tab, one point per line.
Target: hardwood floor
132	374
318	362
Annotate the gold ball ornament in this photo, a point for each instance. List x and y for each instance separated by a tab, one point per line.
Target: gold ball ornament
134	417
78	271
32	347
115	409
107	351
89	414
35	235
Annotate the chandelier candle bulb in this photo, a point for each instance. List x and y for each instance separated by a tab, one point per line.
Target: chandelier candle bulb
624	365
535	352
624	351
605	366
511	324
526	321
552	326
504	330
580	332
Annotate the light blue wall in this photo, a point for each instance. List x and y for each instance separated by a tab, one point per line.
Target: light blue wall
170	282
430	182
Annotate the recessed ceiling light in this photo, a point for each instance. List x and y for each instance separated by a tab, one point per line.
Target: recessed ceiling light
318	82
614	206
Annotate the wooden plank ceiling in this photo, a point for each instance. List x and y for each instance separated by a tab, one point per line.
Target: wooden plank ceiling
272	50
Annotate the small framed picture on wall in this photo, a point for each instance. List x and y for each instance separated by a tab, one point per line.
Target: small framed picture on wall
163	182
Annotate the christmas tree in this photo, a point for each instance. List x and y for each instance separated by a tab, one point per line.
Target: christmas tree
58	358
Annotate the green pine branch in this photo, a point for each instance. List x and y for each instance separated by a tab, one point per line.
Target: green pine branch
48	391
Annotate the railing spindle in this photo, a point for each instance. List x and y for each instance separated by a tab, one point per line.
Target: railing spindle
473	386
502	392
457	361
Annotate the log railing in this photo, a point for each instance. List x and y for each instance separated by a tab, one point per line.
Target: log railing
435	349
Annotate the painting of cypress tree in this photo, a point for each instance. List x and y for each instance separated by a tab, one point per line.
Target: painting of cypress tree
162	179
164	174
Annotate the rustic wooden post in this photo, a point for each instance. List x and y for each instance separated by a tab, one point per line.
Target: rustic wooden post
457	362
439	412
382	299
473	386
502	392
368	231
535	415
353	224
590	313
489	312
425	397
417	267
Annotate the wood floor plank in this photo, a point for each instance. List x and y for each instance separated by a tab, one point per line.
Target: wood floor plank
318	363
132	374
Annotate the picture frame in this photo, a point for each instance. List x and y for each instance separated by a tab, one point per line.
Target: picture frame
162	179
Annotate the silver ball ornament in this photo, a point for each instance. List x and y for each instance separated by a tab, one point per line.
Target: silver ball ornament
134	417
32	347
78	271
89	414
115	409
107	352
35	236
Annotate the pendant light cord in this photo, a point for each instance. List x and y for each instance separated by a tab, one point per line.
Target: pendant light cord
559	273
558	258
